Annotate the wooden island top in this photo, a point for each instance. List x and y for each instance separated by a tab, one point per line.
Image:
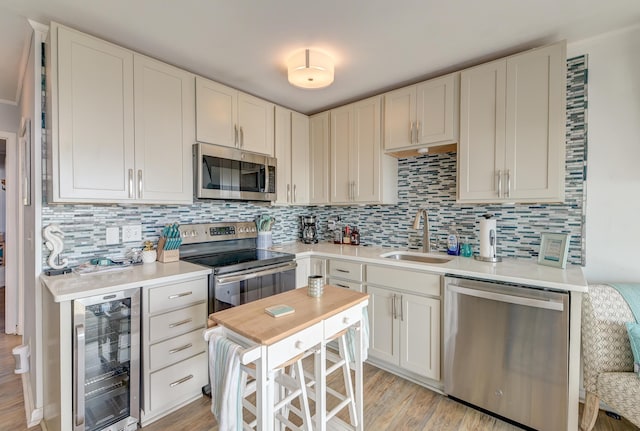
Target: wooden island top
251	321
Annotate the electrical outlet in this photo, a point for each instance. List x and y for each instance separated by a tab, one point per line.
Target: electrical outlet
132	233
113	235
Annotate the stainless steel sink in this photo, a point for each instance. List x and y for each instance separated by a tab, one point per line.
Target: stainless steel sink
415	257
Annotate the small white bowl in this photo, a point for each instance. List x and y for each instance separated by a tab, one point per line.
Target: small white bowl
149	256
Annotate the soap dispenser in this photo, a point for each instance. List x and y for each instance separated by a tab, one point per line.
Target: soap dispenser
453	241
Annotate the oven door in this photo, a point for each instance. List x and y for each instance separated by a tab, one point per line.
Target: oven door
229	173
230	290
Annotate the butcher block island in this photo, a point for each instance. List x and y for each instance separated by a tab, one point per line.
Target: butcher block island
315	321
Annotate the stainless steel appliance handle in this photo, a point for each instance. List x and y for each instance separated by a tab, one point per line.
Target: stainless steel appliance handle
180	295
510	299
131	183
181	381
139	183
231	278
180	349
78	399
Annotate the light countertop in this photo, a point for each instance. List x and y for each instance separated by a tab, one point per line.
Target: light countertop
510	270
72	286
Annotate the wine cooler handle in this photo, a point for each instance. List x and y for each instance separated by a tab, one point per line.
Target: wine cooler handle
79	358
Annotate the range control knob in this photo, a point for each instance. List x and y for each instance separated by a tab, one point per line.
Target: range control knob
241	229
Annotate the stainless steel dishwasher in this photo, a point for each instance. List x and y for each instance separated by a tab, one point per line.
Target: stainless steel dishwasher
506	350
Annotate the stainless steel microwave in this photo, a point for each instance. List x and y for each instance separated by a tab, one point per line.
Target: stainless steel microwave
229	173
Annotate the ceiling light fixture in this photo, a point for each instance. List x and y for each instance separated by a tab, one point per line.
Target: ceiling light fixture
310	68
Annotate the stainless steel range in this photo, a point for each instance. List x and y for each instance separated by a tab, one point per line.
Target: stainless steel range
241	272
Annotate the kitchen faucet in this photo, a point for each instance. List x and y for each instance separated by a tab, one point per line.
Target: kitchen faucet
426	245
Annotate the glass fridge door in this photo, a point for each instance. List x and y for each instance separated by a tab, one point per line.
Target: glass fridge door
106	363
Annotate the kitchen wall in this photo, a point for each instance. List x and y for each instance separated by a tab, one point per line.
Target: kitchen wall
9	117
612	229
423	182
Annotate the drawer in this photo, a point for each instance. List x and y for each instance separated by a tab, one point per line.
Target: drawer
341	321
422	283
175	384
177	295
178	322
347	270
346	284
288	348
176	349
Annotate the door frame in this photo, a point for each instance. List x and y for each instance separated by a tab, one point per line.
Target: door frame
13	304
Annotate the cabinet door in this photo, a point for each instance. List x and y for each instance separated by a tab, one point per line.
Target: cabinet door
342	187
437	110
482	132
216	113
399	117
255	124
319	158
365	151
283	155
420	335
302	271
383	331
535	126
318	266
164	101
95	148
299	158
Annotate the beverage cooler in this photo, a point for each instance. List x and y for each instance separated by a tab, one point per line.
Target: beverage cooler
106	369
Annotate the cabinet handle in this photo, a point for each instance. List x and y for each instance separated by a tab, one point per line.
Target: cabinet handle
401	309
342	285
182	322
131	183
343	270
180	295
418	124
181	381
508	183
499	183
235	135
393	306
411	132
295	199
288	192
139	183
299	345
179	349
241	137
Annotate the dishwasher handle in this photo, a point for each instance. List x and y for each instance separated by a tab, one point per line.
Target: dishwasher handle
510	299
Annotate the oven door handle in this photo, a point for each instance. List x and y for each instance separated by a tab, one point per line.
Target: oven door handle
248	276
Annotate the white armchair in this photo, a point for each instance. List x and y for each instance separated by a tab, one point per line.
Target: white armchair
607	357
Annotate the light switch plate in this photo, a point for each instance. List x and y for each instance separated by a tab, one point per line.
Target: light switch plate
113	235
132	233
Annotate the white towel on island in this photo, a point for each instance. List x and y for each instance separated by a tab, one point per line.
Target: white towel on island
352	337
227	382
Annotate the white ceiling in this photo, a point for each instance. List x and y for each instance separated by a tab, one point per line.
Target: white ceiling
377	44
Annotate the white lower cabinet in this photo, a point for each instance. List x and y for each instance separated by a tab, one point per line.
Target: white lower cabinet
309	266
404	320
347	274
174	353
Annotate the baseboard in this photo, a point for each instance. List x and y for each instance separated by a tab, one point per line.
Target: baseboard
34	415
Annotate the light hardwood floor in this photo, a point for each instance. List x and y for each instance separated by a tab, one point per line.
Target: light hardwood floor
391	403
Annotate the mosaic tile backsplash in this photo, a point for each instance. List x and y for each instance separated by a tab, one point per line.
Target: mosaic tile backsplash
423	182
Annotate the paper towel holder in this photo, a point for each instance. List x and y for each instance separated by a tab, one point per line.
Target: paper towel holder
493	258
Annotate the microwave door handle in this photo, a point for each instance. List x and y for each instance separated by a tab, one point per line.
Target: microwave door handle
248	276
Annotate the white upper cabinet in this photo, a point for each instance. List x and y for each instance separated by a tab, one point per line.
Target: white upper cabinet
122	127
319	166
422	115
164	103
228	117
360	173
512	128
292	152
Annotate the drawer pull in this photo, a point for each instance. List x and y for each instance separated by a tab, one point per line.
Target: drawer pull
346	321
343	270
342	285
182	322
181	381
180	295
299	345
179	349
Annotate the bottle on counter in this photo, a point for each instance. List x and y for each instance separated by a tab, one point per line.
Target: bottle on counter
346	235
355	236
453	241
337	234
